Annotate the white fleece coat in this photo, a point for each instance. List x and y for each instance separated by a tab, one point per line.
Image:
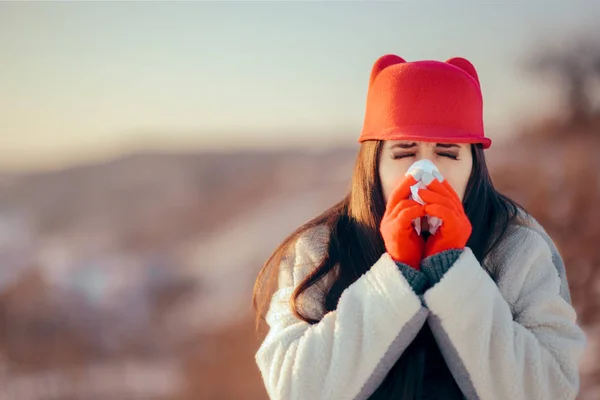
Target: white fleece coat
506	329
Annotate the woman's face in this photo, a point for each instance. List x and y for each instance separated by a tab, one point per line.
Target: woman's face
454	161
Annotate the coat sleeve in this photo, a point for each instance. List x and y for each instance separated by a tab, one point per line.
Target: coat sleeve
348	353
514	337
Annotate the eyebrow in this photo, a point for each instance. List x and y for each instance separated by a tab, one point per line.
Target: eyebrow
404	145
448	145
414	144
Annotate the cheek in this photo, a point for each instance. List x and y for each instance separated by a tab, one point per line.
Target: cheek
459	187
458	179
391	174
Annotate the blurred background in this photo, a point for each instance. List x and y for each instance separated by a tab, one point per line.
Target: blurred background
153	154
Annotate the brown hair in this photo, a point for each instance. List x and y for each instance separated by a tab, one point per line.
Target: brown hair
355	244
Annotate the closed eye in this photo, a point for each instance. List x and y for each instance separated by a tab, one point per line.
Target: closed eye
398	156
452	156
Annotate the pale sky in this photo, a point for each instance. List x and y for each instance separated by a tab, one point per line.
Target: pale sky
85	80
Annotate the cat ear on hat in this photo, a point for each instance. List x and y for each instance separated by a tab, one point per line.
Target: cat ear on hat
465	65
382	63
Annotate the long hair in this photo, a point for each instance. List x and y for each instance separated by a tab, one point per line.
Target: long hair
355	244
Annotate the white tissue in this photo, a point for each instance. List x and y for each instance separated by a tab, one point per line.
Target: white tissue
424	172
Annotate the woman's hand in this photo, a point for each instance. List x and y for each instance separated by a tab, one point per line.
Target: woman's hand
401	240
443	202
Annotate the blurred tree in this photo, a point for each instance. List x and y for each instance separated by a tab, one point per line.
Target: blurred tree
576	68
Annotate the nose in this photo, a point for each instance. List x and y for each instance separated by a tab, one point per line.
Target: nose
426	153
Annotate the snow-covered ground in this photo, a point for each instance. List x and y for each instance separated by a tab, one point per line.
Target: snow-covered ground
122	380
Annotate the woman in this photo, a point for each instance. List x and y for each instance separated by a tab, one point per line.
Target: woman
361	306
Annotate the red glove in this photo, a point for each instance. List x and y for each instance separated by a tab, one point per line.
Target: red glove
401	240
443	202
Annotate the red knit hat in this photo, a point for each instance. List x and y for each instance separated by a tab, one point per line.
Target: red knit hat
429	101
